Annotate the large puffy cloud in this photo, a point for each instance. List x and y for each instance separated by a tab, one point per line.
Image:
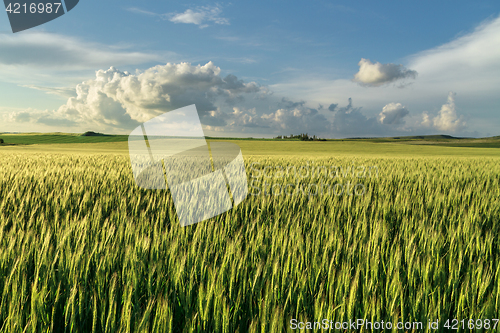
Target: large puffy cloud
393	113
447	119
377	74
117	100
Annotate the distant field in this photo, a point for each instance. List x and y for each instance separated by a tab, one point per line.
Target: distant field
439	140
433	146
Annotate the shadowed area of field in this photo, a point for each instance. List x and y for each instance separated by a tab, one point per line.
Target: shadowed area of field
58	138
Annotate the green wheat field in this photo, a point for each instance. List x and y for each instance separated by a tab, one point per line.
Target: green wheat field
82	249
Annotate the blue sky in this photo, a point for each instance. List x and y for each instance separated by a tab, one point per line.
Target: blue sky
331	68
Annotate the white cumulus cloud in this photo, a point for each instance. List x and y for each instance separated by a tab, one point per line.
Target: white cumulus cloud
393	113
377	74
426	119
447	119
116	100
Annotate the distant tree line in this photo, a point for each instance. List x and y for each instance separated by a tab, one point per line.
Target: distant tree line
301	137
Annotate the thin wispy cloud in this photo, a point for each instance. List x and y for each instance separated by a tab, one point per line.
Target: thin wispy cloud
59	91
229	38
251	41
141	11
201	16
48	61
470	62
242	60
62	52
